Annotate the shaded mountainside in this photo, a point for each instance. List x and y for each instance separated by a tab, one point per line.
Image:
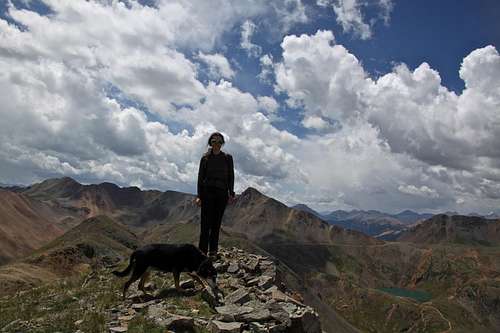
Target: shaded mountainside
96	242
308	209
264	219
26	224
459	229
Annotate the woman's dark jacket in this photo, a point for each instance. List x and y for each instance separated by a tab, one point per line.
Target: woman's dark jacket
216	170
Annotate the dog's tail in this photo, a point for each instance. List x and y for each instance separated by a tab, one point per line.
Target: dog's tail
129	267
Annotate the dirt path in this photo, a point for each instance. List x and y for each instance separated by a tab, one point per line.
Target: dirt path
450	327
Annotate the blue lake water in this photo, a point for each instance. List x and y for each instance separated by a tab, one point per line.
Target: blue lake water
418	295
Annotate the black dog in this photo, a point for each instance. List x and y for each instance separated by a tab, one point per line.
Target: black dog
175	258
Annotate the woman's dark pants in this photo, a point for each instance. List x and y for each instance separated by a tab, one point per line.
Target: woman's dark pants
213	204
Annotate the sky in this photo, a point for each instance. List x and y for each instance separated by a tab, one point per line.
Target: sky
337	104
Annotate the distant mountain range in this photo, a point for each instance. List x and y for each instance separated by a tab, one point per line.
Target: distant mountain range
375	223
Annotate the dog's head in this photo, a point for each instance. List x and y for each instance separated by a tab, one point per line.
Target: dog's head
208	272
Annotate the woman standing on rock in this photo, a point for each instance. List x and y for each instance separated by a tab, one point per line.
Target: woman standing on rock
215	191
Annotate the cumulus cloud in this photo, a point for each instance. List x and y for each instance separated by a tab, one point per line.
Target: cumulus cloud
95	90
413	113
218	65
105	91
268	104
321	76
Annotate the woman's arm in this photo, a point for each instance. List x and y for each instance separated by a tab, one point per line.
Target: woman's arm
231	176
201	176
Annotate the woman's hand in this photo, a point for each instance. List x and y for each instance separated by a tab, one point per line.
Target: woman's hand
197	201
231	199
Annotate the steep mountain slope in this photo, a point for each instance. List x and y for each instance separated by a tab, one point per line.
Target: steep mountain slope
96	242
265	219
308	209
26	224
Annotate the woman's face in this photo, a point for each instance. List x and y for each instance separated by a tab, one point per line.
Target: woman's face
216	141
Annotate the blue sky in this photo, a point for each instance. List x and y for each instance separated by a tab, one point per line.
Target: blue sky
338	104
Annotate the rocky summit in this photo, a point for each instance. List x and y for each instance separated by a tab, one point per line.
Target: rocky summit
249	298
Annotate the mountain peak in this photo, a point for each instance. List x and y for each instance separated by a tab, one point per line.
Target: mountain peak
252	191
406	212
64	187
62	180
306	208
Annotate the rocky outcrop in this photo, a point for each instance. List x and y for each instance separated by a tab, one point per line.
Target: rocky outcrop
248	299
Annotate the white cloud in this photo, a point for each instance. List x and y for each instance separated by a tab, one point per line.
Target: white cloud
267	68
218	65
323	77
268	104
69	81
419	191
289	13
247	31
315	122
350	14
386	7
413	113
59	115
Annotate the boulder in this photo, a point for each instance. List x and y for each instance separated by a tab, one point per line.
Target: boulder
239	296
265	282
233	268
234	310
216	326
176	323
258	315
252	266
210	296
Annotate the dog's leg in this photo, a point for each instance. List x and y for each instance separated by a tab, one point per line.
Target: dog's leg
176	280
143	281
136	274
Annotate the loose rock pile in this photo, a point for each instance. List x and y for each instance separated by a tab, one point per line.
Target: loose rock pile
248	300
